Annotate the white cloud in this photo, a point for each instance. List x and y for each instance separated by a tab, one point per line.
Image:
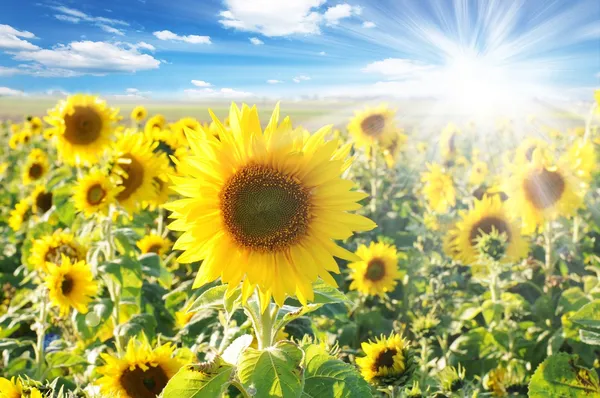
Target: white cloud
201	83
282	18
9	92
274	81
300	78
368	24
192	39
397	67
5	71
10	38
322	53
67	18
256	41
90	56
145	46
110	29
211	93
133	93
72	15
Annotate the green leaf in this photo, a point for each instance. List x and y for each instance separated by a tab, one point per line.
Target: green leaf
559	376
137	324
328	377
288	313
211	298
66	212
63	359
153	266
588	316
197	381
571	300
589	337
273	372
126	238
128	272
88	325
325	294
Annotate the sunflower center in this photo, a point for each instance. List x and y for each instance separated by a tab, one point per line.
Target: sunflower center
67	285
373	125
83	126
35	171
166	149
43	202
155	248
135	176
385	359
529	152
543	188
95	194
54	254
141	383
375	270
486	225
265	209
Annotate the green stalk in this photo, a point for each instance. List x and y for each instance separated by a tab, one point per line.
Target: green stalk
41	335
240	388
113	288
424	360
373	164
549	261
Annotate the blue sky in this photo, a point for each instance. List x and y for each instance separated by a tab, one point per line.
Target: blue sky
276	48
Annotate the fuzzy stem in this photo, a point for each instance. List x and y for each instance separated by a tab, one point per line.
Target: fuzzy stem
113	288
549	263
240	388
424	360
41	335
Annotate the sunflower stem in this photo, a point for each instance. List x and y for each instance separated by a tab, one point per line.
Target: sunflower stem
113	288
424	361
373	164
240	388
160	222
576	221
41	335
549	263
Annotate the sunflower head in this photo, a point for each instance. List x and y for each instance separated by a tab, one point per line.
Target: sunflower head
392	148
388	361
94	193
524	152
492	246
143	372
139	114
156	122
377	272
10	388
581	157
448	145
82	127
438	188
373	125
20	214
479	172
36	167
70	285
52	249
41	200
154	244
168	144
504	381
34	124
452	379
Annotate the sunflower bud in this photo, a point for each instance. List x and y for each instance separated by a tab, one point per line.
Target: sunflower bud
492	246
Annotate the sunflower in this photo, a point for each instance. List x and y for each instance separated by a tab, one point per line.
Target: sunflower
524	152
53	247
438	189
387	359
169	144
581	156
154	244
94	193
41	200
135	167
20	214
487	215
448	146
71	285
156	122
82	127
392	148
139	114
181	125
142	372
183	317
373	125
163	192
540	192
377	272
34	124
264	207
479	171
36	167
14	141
10	388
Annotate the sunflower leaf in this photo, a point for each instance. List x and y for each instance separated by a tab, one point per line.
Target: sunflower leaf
211	298
196	381
325	294
560	376
288	313
588	316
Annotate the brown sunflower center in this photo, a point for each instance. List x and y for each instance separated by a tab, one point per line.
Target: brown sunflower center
141	383
67	285
95	194
385	359
373	125
53	255
155	248
529	152
83	126
486	225
134	177
543	188
43	202
375	270
265	209
35	171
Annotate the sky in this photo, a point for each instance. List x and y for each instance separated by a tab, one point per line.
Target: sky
275	48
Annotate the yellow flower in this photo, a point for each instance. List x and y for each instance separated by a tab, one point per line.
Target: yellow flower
10	388
14	141
70	285
448	141
94	193
34	124
135	167
377	272
439	188
169	144
431	221
142	372
479	171
21	212
139	114
154	244
183	317
35	393
525	150
52	248
41	200
36	167
392	148
487	215
81	127
597	97
373	125
187	123
581	157
264	207
421	147
540	192
386	358
156	122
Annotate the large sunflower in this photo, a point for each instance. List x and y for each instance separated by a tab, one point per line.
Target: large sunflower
82	127
487	215
139	114
52	248
386	359
154	244
540	191
10	388
94	193
438	189
143	372
373	125
264	207
136	167
70	285
377	272
19	214
36	167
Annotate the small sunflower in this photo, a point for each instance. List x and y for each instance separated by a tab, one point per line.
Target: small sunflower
265	207
156	122
540	191
70	285
81	127
36	167
139	114
14	141
154	244
169	144
387	361
142	372
163	193
439	189
487	215
35	125
20	214
41	200
190	123
479	172
377	272
448	147
392	148
94	193
52	248
524	152
581	156
373	125
183	317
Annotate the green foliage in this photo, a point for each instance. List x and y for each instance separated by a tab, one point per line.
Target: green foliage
560	376
198	381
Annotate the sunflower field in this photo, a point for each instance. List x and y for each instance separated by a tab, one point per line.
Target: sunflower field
249	257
